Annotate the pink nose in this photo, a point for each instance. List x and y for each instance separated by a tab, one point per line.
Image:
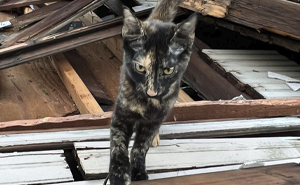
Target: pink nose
152	93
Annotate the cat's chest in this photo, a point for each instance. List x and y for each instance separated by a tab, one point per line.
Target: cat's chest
151	109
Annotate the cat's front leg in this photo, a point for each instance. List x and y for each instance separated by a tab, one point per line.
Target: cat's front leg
143	140
119	168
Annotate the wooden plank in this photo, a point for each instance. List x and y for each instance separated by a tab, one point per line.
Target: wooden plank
50	21
37	15
45	46
194	153
268	37
211	7
17	3
199	110
260	16
32	91
65	139
79	65
82	97
34	168
208	82
100	59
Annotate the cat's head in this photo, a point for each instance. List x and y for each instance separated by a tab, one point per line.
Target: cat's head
156	53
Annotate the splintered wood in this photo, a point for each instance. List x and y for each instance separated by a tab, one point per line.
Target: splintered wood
215	8
34	168
94	157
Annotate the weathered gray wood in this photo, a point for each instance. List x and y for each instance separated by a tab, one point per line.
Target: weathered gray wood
251	68
34	168
62	139
196	153
181	173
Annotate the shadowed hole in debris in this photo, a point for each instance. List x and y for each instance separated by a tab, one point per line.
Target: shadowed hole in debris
70	159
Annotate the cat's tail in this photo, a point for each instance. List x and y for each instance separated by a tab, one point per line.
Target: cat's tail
165	10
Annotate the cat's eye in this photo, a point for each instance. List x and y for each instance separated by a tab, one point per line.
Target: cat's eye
169	71
139	68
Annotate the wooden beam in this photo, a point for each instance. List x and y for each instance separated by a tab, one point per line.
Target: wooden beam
50	21
199	110
60	42
257	14
17	3
64	138
79	92
37	15
86	75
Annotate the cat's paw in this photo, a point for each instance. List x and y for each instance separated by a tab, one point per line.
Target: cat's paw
156	141
139	176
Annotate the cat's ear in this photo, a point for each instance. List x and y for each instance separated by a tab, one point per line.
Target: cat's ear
132	26
185	30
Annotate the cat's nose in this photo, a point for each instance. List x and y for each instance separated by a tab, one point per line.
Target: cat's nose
151	93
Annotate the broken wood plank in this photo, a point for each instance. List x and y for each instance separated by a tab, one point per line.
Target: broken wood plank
215	8
40	167
89	7
17	3
32	91
260	16
208	82
82	97
45	46
79	64
37	15
64	139
194	153
199	110
115	6
50	21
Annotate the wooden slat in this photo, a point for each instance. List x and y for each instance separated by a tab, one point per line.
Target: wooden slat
53	44
32	91
200	110
36	15
82	97
79	65
50	21
194	153
65	139
34	168
17	3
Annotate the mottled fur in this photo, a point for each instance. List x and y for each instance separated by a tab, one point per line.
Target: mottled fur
156	45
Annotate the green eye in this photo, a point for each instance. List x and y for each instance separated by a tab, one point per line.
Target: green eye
168	71
139	68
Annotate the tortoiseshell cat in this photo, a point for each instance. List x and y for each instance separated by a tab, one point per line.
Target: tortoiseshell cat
156	54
